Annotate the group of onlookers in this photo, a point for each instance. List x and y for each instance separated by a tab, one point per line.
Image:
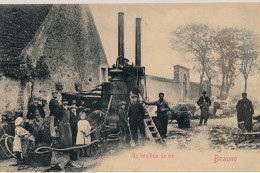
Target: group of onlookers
69	120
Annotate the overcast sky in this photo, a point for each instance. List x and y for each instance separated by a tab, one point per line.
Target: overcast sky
159	20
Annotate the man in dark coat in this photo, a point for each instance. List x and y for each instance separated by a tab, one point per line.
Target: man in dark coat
63	116
74	118
65	135
33	107
53	106
32	115
204	102
245	112
136	116
162	116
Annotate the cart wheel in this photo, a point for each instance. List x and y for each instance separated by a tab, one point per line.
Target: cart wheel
93	149
9	144
237	133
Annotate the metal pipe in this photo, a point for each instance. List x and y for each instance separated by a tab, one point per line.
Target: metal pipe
138	43
121	34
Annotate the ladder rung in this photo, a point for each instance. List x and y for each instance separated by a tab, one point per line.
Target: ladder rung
153	131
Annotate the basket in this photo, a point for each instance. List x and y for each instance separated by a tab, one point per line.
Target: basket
36	159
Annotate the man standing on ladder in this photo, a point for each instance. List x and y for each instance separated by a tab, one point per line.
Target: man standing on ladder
162	109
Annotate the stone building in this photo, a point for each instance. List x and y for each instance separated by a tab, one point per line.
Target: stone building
58	45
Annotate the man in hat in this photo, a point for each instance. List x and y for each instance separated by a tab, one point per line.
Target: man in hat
136	116
53	106
162	116
245	112
204	102
123	121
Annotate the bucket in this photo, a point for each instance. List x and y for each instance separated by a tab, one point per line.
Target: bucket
43	159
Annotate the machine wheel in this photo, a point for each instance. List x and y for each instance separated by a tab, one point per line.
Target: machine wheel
256	127
237	133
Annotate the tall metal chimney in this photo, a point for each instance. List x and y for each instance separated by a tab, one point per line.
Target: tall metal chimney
121	34
138	43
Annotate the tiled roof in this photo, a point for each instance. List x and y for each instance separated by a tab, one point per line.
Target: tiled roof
18	25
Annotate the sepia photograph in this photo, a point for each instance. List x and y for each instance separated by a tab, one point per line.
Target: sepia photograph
130	87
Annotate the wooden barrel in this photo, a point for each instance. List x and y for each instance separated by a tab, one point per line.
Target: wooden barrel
256	127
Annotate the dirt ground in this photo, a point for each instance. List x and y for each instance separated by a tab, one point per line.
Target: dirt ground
199	148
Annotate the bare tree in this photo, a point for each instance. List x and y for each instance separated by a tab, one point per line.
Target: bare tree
226	46
196	40
248	54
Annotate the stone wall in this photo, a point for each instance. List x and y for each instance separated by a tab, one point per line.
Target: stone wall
69	40
14	95
155	85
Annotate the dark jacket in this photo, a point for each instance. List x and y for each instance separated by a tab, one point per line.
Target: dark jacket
162	107
32	109
53	106
74	120
245	110
122	116
136	112
201	99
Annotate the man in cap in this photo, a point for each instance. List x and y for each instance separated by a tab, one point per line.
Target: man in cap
136	116
204	102
65	135
33	107
245	112
162	116
53	106
35	112
123	121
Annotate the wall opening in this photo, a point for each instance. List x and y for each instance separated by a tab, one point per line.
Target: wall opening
184	87
103	75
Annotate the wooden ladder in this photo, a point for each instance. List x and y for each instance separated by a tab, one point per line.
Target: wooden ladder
150	129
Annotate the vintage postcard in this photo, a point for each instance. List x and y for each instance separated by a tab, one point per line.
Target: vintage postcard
138	87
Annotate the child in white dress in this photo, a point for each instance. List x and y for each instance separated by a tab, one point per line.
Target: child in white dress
83	135
84	128
21	142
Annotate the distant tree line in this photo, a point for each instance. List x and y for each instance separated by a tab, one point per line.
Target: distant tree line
223	52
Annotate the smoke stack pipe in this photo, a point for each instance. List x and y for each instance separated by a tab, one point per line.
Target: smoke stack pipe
121	34
138	43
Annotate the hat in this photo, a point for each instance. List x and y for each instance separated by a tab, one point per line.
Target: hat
54	92
134	95
18	121
204	92
122	103
161	93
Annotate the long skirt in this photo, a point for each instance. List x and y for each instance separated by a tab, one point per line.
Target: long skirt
65	135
